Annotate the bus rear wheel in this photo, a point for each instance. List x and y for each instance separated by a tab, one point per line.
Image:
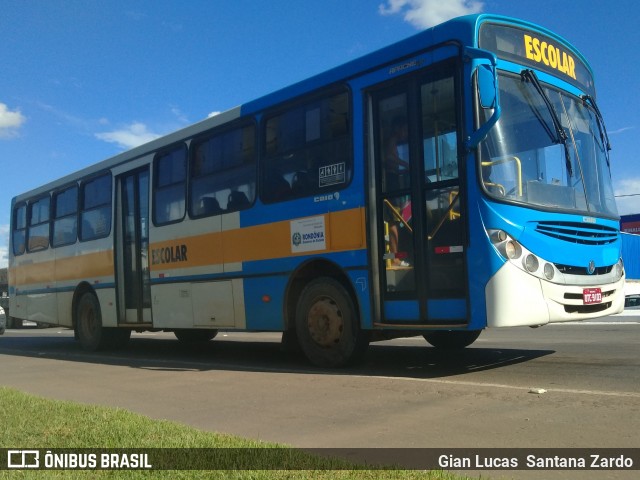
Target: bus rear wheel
90	332
89	322
327	325
452	339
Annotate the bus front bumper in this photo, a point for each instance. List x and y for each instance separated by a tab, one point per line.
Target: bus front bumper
515	298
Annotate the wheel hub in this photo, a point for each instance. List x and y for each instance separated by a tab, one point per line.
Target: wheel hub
325	322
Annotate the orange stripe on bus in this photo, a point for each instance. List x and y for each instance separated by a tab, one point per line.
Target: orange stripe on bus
344	231
81	267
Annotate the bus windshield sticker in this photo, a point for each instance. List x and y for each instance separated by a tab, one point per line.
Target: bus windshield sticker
332	174
308	234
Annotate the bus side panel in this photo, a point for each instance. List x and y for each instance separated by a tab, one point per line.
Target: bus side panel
64	300
17	304
171	304
36	284
41	305
107	299
264	300
360	281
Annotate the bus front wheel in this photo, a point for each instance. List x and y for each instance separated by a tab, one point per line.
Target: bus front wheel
452	339
327	325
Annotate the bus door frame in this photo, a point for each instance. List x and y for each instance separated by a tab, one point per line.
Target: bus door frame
419	307
133	286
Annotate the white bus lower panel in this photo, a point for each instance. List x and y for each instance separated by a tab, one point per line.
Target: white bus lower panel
516	298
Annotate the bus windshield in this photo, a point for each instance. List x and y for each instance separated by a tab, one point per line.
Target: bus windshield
548	149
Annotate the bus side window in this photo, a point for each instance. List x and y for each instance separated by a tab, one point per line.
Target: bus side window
170	186
65	217
307	149
38	231
95	216
223	172
19	229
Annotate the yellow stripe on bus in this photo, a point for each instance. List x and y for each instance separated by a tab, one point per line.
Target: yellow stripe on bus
87	266
343	231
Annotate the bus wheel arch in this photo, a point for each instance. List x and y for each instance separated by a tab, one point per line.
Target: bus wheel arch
323	315
87	323
306	273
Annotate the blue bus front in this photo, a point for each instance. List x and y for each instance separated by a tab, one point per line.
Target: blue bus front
548	224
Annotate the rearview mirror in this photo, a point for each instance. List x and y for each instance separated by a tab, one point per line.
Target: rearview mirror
487	86
484	63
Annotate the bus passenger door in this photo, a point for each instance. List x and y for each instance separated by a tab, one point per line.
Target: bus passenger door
419	230
132	248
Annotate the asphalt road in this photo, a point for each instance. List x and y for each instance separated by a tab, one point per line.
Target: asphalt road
405	394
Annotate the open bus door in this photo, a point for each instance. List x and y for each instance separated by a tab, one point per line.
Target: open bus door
420	225
132	247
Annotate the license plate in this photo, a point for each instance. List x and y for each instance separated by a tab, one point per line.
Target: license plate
591	296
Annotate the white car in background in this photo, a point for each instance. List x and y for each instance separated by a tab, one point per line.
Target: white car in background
3	321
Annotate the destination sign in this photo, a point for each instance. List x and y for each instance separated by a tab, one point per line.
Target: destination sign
536	50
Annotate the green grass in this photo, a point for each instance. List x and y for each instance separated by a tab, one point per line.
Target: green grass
27	421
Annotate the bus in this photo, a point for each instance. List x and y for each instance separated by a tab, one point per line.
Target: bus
456	180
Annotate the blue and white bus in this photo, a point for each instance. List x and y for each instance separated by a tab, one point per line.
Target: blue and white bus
454	181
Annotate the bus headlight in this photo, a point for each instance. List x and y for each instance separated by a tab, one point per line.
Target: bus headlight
619	269
531	263
508	247
512	249
519	256
549	271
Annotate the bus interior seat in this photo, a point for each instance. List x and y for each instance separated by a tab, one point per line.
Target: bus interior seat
237	201
210	206
301	182
277	186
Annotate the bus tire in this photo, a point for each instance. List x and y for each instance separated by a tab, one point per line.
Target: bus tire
327	325
452	339
89	323
195	336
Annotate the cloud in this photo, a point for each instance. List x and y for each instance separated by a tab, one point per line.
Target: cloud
130	136
10	121
213	114
65	117
620	130
630	204
427	13
180	116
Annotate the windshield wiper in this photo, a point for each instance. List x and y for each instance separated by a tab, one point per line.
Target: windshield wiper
604	137
530	76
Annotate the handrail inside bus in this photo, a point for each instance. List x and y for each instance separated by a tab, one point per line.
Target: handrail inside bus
500	161
444	217
397	214
453	215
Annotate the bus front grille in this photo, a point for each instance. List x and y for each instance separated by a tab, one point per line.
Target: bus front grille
574	232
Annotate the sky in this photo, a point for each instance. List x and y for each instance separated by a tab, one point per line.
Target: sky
83	80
